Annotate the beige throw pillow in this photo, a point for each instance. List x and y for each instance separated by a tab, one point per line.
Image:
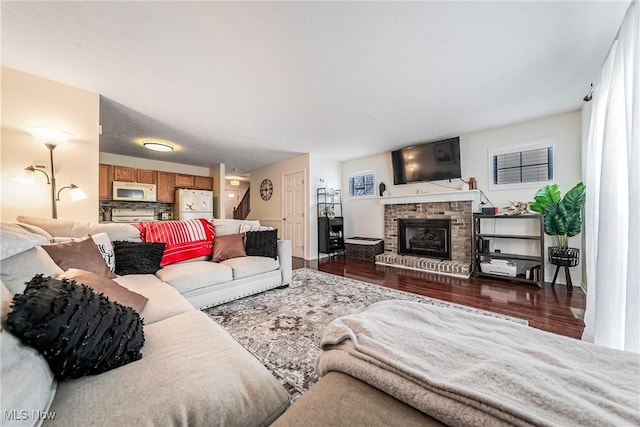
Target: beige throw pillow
229	246
82	254
107	287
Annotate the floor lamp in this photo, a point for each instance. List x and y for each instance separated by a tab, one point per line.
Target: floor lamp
26	176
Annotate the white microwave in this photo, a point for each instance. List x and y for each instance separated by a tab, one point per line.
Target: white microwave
134	191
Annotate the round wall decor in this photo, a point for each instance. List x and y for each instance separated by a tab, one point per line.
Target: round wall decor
266	189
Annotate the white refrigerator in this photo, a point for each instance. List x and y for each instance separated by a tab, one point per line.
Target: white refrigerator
189	204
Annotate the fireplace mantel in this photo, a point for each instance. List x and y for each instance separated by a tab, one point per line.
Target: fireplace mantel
447	196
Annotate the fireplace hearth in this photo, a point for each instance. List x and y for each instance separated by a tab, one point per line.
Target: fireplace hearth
458	219
430	238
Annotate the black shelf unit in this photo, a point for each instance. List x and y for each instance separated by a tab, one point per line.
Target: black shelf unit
330	222
536	261
330	235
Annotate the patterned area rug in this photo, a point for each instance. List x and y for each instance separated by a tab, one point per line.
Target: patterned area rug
283	327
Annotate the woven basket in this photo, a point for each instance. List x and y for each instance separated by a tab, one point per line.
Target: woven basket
569	257
363	252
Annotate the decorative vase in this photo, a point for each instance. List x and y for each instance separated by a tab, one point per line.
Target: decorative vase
382	187
564	257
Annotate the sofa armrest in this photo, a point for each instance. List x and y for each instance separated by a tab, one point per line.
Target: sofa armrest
284	257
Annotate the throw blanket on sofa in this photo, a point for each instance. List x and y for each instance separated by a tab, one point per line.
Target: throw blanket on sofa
469	369
184	240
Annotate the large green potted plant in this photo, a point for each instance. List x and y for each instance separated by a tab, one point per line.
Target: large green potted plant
563	219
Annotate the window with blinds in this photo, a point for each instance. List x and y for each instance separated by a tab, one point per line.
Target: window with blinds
362	184
525	166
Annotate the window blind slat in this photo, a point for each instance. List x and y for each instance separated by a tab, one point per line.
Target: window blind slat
523	166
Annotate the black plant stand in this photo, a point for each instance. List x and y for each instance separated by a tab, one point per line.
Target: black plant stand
569	257
567	274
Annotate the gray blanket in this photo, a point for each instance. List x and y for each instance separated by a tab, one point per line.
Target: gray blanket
469	369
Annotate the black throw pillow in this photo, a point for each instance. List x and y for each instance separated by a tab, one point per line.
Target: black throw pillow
77	331
262	243
137	257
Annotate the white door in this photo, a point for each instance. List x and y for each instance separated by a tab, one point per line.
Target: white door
293	218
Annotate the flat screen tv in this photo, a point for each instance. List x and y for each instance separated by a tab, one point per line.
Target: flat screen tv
432	161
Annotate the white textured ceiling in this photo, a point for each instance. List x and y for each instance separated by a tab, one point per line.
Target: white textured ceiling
248	84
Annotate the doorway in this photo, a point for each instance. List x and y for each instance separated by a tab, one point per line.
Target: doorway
231	202
293	224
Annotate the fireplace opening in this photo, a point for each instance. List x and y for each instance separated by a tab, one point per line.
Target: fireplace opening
429	238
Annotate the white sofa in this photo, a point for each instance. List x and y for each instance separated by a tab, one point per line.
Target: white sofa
203	283
192	371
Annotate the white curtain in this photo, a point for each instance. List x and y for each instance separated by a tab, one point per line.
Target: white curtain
612	210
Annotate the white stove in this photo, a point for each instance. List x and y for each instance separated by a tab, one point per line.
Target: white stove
132	215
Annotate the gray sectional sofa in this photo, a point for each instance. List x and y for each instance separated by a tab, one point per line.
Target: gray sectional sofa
203	283
192	371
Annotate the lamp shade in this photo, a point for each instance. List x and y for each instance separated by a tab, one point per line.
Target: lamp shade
50	135
77	193
26	176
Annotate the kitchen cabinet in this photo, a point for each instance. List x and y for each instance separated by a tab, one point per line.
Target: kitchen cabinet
146	176
165	183
124	174
184	181
105	180
203	182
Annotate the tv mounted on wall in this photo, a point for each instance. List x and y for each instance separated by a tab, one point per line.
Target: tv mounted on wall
432	161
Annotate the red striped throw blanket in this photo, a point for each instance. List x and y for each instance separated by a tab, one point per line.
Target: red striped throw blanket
184	239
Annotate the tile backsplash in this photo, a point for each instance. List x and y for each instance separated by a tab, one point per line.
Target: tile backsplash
158	207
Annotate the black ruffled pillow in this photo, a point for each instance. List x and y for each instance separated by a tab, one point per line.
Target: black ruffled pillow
77	331
137	257
262	243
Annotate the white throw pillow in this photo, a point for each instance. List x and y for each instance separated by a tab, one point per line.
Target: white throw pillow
103	242
249	227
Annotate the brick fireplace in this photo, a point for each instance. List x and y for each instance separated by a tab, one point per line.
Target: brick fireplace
441	232
429	238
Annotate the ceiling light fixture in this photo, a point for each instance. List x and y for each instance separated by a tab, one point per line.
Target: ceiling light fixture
156	145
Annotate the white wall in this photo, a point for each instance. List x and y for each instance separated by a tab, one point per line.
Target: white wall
270	212
218	172
365	217
28	100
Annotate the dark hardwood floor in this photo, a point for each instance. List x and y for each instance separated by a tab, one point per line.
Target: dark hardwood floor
550	308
